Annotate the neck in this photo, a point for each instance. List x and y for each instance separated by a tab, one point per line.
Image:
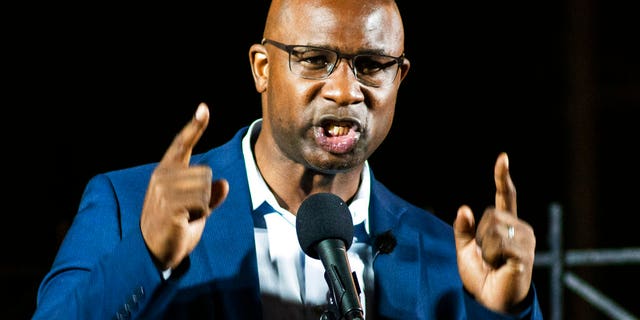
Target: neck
292	182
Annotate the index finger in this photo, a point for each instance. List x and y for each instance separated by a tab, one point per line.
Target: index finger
505	190
179	152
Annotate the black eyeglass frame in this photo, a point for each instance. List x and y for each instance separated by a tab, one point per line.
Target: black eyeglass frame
349	57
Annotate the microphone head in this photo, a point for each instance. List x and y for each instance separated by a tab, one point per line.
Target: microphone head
323	216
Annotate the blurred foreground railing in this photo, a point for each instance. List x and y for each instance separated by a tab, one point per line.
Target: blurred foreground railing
557	259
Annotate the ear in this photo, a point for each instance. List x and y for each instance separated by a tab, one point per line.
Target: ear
259	66
404	68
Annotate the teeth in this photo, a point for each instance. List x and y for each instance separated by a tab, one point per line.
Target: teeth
336	130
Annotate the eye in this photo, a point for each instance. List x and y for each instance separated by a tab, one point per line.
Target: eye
371	64
313	58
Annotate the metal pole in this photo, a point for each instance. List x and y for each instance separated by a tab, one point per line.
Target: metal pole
557	264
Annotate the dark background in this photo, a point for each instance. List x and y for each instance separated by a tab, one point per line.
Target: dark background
556	84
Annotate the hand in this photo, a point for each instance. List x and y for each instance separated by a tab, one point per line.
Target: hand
495	260
180	197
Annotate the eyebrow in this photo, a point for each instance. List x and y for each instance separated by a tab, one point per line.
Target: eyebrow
359	52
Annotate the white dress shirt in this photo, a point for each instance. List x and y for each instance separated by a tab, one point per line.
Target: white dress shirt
285	271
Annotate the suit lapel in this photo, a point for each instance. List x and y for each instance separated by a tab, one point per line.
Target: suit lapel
397	289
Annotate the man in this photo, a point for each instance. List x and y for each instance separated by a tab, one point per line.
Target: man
212	236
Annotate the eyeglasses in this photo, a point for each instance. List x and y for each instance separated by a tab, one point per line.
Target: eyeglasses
318	63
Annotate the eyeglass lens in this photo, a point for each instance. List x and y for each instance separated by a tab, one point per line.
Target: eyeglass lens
317	63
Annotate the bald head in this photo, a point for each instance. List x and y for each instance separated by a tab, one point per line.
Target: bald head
374	24
326	109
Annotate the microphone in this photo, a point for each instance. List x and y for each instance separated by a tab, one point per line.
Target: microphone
325	231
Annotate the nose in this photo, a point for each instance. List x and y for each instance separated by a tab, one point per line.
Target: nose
342	86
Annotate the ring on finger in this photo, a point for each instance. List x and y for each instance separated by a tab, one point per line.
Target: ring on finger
511	232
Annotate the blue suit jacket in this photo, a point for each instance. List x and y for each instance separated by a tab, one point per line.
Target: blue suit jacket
103	269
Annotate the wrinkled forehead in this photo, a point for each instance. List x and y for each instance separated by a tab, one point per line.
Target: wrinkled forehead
343	24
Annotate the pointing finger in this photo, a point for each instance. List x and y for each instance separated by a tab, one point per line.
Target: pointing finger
179	152
505	190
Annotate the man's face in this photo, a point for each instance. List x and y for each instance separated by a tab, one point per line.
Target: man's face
336	123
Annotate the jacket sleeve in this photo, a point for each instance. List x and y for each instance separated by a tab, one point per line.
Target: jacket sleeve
103	269
475	310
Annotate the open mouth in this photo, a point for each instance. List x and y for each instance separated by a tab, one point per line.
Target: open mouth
337	136
337	129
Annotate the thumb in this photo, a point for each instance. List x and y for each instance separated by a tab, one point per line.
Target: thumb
464	227
219	191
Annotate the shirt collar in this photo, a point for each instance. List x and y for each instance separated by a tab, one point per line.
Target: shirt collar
260	192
